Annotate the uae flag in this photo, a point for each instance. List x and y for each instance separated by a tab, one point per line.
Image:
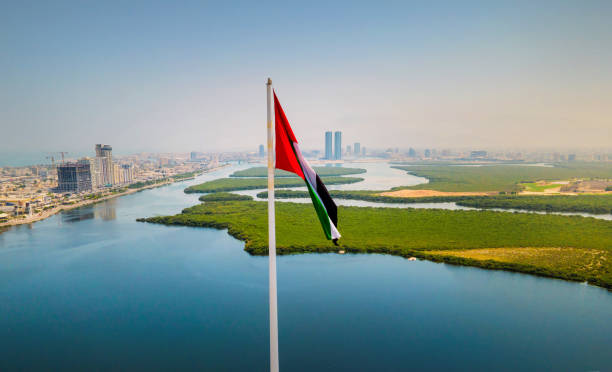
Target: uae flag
289	158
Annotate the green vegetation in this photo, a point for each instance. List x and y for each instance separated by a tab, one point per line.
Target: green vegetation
366	195
609	188
505	178
141	184
231	184
595	204
321	171
186	175
423	233
93	196
223	196
532	186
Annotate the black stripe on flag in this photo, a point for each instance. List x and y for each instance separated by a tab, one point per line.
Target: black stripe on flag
330	206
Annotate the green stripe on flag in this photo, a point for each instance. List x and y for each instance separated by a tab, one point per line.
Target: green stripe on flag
320	209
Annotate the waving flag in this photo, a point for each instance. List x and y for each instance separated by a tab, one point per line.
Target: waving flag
289	158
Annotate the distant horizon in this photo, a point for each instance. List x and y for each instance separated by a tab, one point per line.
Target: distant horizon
192	75
26	158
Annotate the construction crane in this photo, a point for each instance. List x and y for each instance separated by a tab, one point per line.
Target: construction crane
63	153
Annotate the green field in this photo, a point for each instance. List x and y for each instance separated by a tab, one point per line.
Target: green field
506	178
429	234
223	196
596	204
532	186
231	184
321	171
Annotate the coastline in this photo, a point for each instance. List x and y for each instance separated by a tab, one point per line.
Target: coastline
55	210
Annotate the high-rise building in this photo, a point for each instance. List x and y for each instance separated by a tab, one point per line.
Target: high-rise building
104	154
118	174
357	149
94	169
363	151
411	153
262	152
127	171
328	146
74	177
338	145
427	153
348	150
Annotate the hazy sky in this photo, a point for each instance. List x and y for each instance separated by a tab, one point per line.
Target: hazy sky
181	76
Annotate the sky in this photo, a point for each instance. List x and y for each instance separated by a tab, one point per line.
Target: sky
182	76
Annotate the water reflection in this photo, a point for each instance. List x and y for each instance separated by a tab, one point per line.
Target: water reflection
106	211
77	214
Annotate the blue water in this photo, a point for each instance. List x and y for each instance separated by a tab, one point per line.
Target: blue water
93	289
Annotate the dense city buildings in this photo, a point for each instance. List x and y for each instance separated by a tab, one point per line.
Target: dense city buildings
74	177
338	145
328	146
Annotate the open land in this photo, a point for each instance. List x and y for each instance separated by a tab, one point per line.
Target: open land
502	178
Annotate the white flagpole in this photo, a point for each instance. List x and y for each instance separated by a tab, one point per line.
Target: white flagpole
272	239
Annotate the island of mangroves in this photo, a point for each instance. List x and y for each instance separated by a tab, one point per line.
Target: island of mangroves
565	247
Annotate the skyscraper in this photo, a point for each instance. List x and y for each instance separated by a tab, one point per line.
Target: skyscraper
328	146
262	153
104	155
357	149
74	177
128	173
338	145
94	169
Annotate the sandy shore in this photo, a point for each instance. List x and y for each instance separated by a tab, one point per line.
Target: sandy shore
50	212
426	193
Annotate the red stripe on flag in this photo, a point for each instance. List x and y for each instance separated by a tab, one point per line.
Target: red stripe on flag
285	156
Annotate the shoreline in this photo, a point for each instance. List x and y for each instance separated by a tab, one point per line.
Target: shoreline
55	210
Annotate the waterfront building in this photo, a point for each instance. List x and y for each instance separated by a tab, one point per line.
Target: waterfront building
348	150
104	154
427	153
74	177
411	153
118	175
262	152
328	145
363	151
95	170
357	149
127	173
338	145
